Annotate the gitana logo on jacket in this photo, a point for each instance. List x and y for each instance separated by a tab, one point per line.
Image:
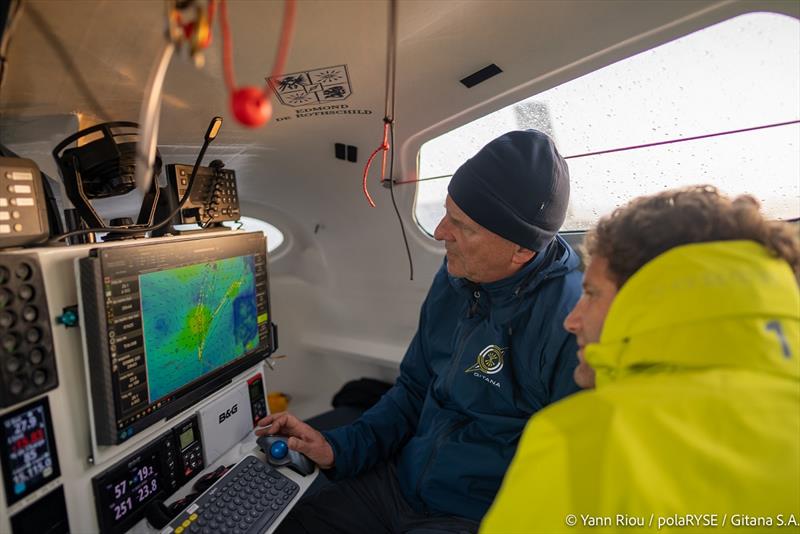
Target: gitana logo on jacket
490	361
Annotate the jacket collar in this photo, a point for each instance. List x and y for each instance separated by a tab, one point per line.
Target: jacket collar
557	259
708	305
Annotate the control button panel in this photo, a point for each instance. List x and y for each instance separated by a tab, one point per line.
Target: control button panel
23	215
258	402
27	359
214	196
190	449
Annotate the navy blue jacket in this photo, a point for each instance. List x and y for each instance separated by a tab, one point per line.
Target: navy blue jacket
484	359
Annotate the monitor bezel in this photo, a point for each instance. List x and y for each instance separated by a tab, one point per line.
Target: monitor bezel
103	396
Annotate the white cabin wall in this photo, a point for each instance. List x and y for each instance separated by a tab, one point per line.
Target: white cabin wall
341	295
341	323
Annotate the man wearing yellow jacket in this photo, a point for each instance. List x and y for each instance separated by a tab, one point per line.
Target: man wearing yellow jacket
689	331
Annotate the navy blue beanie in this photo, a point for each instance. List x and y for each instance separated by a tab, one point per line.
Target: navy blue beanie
517	186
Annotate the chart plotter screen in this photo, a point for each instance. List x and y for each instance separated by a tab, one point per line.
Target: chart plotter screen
196	319
181	318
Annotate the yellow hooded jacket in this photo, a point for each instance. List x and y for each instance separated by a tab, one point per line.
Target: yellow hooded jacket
696	409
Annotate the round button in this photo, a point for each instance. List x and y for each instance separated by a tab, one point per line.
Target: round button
26	292
7	319
15	214
23	271
33	335
6	297
4	275
12	364
16	386
18	227
9	342
36	356
278	450
39	377
30	314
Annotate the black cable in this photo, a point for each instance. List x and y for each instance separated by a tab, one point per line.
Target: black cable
168	218
70	66
394	203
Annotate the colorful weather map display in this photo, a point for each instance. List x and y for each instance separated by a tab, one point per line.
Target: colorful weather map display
196	318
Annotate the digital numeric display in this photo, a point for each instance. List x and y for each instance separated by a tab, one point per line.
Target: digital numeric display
130	487
28	446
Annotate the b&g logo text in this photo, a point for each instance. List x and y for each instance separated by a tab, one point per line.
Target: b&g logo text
228	413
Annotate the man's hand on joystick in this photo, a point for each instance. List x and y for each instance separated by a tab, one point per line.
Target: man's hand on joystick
298	436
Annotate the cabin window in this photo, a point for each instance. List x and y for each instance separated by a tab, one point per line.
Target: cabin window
739	74
251	224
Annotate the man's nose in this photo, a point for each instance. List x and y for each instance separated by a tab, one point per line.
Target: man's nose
573	320
442	233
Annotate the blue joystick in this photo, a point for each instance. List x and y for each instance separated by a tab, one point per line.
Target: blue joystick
278	454
278	450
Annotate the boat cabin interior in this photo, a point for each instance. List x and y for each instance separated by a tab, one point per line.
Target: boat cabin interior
211	209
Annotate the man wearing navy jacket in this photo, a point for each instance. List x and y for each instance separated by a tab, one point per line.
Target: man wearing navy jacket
489	352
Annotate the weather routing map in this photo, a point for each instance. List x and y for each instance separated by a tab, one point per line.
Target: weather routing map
196	318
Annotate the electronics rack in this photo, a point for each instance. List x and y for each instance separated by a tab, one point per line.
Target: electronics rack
63	501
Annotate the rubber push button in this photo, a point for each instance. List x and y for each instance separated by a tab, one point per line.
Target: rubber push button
39	377
12	364
36	356
9	342
26	292
7	319
23	271
33	335
30	314
6	297
16	386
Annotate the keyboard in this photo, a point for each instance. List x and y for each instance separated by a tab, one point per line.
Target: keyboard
247	499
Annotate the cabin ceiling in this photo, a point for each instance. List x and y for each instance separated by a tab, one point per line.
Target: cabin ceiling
109	47
113	45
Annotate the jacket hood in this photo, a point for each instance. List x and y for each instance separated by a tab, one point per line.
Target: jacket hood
708	305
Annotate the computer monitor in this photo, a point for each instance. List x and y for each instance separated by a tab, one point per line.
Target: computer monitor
169	322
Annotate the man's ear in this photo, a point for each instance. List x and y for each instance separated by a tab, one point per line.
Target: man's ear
522	256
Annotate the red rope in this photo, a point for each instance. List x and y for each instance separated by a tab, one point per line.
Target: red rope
227	47
658	143
211	9
385	147
284	43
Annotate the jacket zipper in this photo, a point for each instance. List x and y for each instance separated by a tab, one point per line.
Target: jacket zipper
457	355
439	440
448	384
